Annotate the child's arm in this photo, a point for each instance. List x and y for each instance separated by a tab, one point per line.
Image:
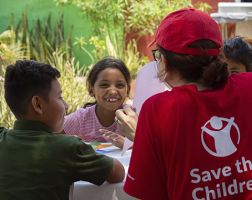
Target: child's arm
117	172
88	165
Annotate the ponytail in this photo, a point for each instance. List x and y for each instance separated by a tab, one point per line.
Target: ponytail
215	75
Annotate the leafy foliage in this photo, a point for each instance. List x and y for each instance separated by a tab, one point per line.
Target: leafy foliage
103	13
72	82
46	44
44	38
9	52
115	47
145	16
134	15
114	19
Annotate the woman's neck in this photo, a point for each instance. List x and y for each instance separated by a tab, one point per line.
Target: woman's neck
105	117
175	80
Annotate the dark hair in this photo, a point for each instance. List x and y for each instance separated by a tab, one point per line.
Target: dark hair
210	71
107	62
238	50
25	79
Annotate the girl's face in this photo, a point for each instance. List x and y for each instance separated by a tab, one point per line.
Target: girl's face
110	89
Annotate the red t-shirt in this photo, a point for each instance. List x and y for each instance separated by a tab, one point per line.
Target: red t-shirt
194	145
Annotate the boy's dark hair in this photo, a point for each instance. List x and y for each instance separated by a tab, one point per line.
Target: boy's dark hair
25	79
207	70
238	50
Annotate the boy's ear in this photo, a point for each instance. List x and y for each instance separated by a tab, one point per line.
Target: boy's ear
36	104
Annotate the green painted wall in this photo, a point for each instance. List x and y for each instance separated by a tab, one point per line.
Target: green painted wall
40	9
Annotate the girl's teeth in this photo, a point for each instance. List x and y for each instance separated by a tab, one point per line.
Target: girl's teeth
111	100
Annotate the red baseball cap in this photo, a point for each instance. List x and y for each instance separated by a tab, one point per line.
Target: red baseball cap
181	28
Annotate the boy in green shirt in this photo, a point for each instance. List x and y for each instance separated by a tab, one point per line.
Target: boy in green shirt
36	163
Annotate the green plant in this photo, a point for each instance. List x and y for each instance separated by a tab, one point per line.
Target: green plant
129	15
81	42
107	18
203	6
103	13
99	46
43	38
72	82
144	16
6	116
115	20
10	51
132	58
46	48
129	54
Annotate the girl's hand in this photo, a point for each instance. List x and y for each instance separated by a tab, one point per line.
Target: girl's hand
116	139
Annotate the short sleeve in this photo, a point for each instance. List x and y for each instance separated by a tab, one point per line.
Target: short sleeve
72	123
87	165
145	179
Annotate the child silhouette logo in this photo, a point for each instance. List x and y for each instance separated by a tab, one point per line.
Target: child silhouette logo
220	136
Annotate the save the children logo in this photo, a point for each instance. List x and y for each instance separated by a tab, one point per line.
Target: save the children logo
220	136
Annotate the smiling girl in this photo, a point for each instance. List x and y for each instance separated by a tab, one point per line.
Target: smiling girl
109	83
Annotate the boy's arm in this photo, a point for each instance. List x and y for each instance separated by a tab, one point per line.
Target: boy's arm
87	165
117	172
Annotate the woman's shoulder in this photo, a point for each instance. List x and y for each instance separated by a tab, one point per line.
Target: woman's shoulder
241	81
179	96
166	96
163	99
244	76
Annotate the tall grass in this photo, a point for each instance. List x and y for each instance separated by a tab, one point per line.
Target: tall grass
10	51
73	83
111	45
6	117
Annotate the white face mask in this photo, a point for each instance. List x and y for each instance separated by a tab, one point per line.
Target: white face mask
162	74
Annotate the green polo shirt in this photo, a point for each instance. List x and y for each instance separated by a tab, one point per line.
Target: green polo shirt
38	164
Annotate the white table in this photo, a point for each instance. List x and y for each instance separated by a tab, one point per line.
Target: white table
87	191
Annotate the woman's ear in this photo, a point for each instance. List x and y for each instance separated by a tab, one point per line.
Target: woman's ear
37	104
